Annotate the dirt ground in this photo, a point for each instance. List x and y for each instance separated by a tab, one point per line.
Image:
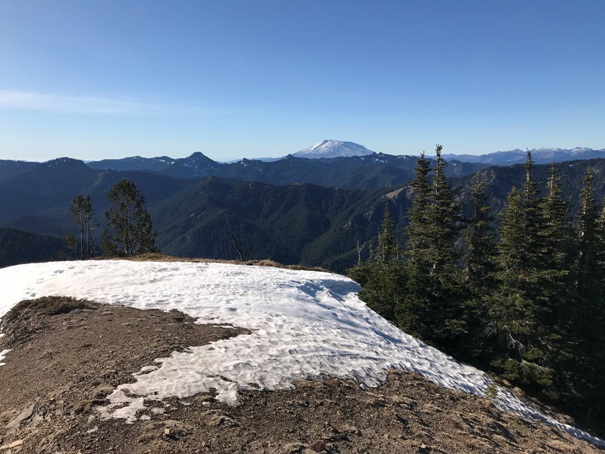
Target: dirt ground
68	355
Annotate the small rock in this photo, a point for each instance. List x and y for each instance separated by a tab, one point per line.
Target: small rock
216	419
22	417
14	444
175	430
294	448
102	391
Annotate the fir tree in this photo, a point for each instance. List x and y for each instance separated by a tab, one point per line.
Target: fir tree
418	214
531	219
519	308
387	245
478	272
509	305
554	279
479	241
588	256
414	311
556	255
431	308
382	275
589	317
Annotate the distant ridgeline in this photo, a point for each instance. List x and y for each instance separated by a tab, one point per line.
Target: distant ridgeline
310	211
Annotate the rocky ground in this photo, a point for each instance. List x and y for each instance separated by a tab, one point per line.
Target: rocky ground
67	356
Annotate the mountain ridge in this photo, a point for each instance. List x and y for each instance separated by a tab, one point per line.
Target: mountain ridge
197	217
323	150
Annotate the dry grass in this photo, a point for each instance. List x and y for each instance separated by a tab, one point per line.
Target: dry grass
160	257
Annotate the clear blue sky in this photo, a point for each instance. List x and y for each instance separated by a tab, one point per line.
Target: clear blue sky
114	78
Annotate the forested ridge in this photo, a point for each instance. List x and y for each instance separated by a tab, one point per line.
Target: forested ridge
297	223
521	295
22	247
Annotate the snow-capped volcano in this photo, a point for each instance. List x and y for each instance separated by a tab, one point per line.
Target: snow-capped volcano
333	149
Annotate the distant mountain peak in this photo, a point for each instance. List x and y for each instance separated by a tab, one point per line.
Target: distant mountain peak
66	163
333	149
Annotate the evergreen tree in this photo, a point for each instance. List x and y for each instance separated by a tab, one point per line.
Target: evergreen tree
418	213
382	276
588	255
414	312
509	305
82	214
478	273
556	236
387	245
531	220
443	215
556	255
479	241
431	307
129	230
589	317
554	282
519	309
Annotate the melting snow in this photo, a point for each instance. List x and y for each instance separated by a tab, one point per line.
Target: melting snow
2	356
304	324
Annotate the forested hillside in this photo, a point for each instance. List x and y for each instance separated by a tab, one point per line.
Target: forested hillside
38	200
21	247
520	294
308	224
500	180
9	169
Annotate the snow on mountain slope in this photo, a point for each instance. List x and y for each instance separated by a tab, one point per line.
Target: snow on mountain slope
304	324
333	149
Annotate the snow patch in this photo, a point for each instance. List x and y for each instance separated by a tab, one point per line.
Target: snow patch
2	356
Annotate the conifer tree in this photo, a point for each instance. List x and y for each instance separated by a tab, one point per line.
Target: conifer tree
82	214
479	254
387	245
519	308
478	272
418	214
589	317
382	275
531	219
507	321
587	225
431	307
129	230
555	293
414	312
556	255
442	217
556	230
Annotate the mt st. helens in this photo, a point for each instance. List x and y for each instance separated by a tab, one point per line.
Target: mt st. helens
294	210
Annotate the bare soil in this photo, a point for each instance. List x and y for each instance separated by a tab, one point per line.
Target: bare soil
68	355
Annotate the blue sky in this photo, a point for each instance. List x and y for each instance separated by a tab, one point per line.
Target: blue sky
98	79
